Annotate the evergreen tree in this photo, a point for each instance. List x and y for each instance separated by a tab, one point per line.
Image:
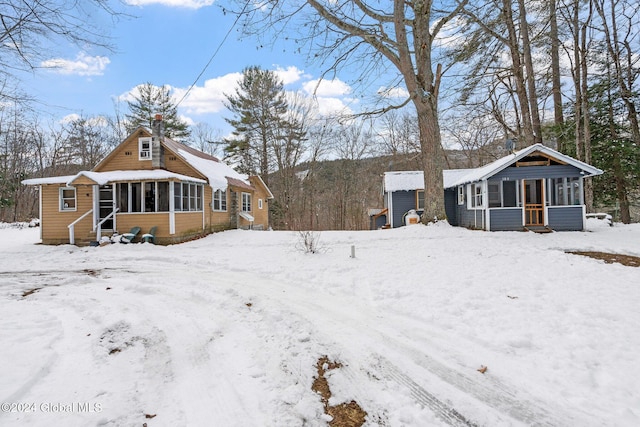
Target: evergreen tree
259	106
152	100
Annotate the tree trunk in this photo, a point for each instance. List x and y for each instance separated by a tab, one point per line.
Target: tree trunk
530	76
518	74
556	88
432	157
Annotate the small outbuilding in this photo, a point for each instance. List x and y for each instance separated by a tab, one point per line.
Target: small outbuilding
536	188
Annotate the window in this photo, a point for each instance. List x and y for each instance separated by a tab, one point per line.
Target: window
219	200
475	195
246	202
144	148
461	194
502	194
566	191
259	203
149	196
123	196
136	196
68	199
163	196
419	200
187	197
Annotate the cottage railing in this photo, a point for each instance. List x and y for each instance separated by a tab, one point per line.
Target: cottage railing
72	238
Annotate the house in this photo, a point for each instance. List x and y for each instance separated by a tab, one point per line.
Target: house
150	181
535	188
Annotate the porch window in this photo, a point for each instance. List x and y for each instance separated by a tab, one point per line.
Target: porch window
246	202
123	196
566	191
67	199
163	196
220	200
149	196
502	194
136	197
144	148
419	200
187	197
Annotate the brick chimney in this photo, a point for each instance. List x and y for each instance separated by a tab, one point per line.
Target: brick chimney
157	137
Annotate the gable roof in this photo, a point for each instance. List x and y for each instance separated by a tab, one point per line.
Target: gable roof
456	177
218	174
414	180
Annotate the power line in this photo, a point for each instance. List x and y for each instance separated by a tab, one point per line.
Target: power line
214	53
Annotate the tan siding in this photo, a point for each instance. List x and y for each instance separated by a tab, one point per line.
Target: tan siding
55	223
125	157
126	221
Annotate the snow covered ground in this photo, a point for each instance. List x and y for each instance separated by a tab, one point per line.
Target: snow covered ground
227	330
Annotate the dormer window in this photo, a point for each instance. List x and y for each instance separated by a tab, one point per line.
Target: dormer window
144	148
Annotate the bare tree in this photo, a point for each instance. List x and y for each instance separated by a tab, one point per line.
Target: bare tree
30	29
397	33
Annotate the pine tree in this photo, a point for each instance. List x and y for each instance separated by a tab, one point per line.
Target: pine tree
259	106
152	100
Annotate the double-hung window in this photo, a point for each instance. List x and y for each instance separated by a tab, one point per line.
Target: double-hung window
220	200
419	200
461	194
144	148
68	199
475	195
187	197
246	202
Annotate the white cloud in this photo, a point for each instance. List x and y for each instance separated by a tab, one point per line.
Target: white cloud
93	121
83	65
328	88
188	4
289	75
210	97
332	107
393	92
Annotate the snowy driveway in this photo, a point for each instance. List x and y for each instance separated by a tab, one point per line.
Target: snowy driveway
226	331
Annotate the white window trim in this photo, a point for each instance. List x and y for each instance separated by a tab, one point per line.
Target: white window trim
222	196
461	194
418	208
248	195
61	207
259	203
144	154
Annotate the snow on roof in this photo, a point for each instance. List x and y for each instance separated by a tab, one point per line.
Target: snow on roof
413	180
403	181
459	177
48	180
215	171
102	178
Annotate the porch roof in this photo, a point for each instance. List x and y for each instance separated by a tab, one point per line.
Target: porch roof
102	178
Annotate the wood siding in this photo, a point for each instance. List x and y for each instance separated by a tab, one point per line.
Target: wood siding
506	219
55	223
566	218
537	172
402	201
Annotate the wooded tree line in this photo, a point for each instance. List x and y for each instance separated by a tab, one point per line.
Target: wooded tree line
474	72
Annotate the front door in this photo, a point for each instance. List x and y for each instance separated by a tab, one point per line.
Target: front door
106	206
534	202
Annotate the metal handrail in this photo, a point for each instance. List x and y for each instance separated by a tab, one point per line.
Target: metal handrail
72	238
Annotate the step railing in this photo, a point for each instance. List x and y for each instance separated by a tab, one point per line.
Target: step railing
72	237
99	225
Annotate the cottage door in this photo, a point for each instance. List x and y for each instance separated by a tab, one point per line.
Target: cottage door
534	202
106	206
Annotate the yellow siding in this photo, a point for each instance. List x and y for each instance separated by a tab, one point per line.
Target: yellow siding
125	156
54	222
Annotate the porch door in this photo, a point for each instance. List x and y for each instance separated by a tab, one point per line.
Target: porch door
106	204
534	202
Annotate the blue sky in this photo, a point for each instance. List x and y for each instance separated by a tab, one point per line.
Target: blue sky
169	42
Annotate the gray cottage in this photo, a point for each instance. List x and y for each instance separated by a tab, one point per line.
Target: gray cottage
536	188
